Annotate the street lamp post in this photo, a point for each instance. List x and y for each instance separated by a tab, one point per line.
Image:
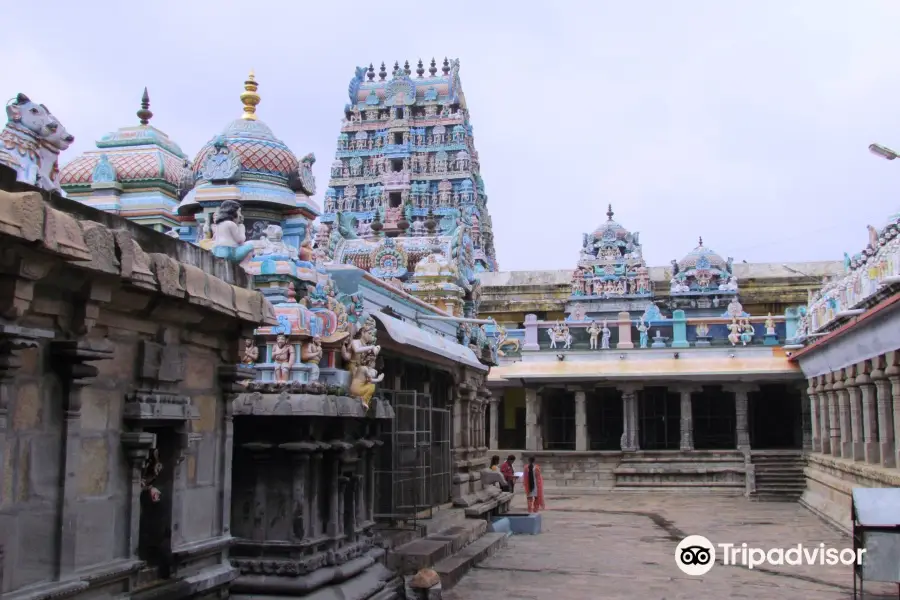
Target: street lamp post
882	151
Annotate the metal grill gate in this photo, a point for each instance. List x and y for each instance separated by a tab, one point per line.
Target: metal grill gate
415	469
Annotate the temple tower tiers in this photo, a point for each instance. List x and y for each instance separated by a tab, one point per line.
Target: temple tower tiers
406	155
137	172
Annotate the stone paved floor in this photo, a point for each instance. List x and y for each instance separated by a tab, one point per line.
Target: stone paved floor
621	546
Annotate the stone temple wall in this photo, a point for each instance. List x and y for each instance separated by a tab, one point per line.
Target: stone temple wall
117	347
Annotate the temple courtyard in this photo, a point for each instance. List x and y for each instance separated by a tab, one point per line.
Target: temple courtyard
622	546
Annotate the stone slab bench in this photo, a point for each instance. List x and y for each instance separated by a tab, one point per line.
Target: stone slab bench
452	569
490	507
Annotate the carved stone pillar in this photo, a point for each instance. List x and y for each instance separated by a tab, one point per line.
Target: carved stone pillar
581	437
687	418
532	410
814	415
71	360
318	476
824	427
869	414
805	419
300	455
137	448
885	408
12	340
631	433
363	469
834	424
336	490
261	453
495	407
741	393
843	402
370	497
230	377
854	398
893	374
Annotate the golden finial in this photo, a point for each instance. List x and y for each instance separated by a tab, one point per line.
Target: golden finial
250	98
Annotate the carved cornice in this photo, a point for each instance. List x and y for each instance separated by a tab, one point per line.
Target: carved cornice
156	405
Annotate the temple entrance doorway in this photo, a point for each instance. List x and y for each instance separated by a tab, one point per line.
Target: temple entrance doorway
713	416
775	418
511	420
604	419
659	413
558	411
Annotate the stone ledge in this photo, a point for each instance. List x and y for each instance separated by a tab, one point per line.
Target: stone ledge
309	405
105	245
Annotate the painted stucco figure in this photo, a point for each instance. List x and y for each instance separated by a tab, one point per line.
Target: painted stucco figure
250	354
283	357
360	354
230	236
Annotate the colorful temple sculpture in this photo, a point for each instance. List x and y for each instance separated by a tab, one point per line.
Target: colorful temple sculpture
406	185
31	141
640	377
137	172
353	364
848	347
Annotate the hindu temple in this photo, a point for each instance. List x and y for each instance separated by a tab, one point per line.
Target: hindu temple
214	385
345	397
633	377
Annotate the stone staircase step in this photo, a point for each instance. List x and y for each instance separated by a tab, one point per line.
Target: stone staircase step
461	535
418	554
452	568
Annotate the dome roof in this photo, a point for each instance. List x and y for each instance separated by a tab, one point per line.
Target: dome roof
131	155
263	156
610	230
702	257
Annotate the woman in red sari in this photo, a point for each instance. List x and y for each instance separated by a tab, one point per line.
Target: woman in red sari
534	487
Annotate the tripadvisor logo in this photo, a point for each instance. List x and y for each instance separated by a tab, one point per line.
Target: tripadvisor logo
695	555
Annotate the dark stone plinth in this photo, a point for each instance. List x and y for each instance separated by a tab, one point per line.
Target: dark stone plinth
309	405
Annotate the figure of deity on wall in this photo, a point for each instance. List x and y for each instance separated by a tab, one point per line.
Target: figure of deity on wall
770	325
230	236
283	357
560	333
250	354
360	354
735	329
594	332
643	329
605	336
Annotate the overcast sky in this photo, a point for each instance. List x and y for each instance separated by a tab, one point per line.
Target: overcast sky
746	122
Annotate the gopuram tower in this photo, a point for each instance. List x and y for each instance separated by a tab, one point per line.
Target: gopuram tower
406	165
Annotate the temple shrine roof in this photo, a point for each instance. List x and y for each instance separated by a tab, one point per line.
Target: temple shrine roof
702	257
263	156
610	230
135	156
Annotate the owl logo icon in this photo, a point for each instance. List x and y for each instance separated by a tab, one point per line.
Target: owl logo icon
695	555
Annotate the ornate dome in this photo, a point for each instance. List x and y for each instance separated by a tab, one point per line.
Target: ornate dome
610	230
132	156
702	258
263	156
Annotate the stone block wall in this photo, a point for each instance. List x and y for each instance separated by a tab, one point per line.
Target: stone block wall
116	343
575	469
